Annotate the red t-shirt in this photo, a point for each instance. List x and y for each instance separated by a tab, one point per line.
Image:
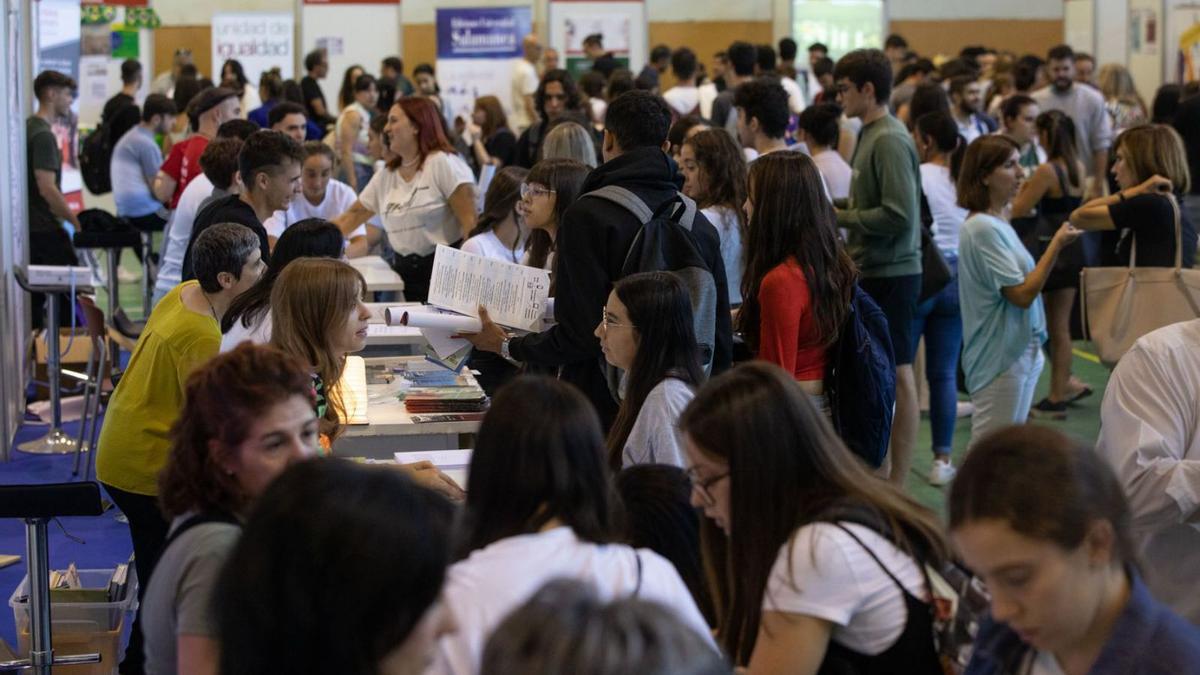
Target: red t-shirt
787	330
183	164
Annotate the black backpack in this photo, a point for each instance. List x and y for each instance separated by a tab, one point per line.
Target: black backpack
860	380
95	156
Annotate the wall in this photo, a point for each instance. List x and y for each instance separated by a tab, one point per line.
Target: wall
946	26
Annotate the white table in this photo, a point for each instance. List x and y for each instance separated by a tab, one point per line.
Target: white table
378	274
389	428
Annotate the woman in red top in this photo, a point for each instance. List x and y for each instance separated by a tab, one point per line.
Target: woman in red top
798	280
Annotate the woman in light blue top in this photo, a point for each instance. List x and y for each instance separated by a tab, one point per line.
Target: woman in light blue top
999	286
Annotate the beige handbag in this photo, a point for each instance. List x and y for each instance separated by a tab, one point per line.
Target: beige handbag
1121	304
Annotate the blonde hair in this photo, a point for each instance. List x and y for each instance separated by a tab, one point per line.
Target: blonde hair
310	301
1156	149
568	140
1117	85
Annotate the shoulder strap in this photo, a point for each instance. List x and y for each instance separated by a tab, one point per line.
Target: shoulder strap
1062	179
198	519
637	589
626	199
1178	232
918	563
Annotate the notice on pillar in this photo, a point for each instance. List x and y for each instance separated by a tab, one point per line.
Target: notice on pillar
259	40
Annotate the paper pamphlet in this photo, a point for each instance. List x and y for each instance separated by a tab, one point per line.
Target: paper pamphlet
383	330
428	317
514	295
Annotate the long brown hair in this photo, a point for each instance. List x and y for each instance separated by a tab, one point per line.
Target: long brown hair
310	302
984	155
431	136
787	469
493	113
565	177
222	399
1060	136
794	219
723	170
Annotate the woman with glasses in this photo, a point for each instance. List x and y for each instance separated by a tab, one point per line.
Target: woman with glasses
551	186
816	564
646	331
798	279
425	196
539	508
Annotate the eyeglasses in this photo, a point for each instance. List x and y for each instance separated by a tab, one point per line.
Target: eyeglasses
530	190
703	486
605	324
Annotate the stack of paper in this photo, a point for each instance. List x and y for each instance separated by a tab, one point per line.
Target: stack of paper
445	399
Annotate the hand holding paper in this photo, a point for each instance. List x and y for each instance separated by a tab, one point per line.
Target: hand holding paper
489	336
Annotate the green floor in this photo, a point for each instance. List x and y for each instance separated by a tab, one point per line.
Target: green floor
1083	421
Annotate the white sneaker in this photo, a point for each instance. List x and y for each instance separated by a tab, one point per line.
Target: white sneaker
942	472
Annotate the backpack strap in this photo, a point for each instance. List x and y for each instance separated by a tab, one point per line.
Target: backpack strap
626	199
198	519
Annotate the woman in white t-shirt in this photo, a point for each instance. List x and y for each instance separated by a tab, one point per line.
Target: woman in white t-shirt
249	315
425	197
647	331
938	318
498	233
714	174
322	196
825	559
538	508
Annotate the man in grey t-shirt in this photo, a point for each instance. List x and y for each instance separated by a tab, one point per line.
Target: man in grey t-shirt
1085	106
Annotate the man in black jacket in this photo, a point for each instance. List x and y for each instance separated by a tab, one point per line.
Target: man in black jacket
593	240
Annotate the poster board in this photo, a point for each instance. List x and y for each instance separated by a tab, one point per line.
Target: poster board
58	48
337	26
622	23
1145	61
1182	43
476	48
260	40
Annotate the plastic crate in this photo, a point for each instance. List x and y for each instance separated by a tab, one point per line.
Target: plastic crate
81	627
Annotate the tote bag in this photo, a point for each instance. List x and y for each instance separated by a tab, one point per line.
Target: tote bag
1121	304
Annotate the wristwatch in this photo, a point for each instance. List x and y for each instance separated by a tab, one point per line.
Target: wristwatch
504	349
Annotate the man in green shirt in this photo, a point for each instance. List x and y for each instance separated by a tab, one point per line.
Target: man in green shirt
883	219
49	243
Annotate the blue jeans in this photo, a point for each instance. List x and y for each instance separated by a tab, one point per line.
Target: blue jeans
939	320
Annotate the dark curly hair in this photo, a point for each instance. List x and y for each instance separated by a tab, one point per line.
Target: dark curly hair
568	84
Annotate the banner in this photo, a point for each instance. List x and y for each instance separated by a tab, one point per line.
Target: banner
621	24
259	40
476	48
58	48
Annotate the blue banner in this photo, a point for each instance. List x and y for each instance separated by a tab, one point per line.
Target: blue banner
482	33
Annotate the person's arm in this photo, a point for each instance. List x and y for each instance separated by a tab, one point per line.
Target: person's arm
358	246
351	125
1096	214
789	643
197	655
1150	416
462	204
1032	191
428	476
48	189
318	107
898	196
350	221
482	158
164	187
1098	186
1022	295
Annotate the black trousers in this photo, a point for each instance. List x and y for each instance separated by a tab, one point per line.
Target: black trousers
148	530
51	247
416	271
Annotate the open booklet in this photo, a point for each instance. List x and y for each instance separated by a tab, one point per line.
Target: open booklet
516	296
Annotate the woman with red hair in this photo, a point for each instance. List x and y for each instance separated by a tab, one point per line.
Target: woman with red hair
425	196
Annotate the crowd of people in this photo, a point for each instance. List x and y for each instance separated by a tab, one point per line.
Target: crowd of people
665	481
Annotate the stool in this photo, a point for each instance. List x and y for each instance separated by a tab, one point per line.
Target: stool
111	242
57	442
37	505
149	268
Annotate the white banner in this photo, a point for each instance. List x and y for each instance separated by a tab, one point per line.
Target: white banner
622	25
259	40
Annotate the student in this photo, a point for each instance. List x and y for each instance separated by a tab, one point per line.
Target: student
1151	169
233	76
549	189
742	60
426	195
269	170
1085	106
392	82
210	109
285	605
289	118
566	628
321	196
883	217
591	87
525	83
1048	529
316	65
181	334
999	289
656	500
819	130
659	63
569	140
1055	190
246	417
714	174
927	98
539	492
821	564
646	331
349	80
270	91
135	161
492	142
799	279
966	97
1018	120
555	97
248	318
1121	98
762	116
939	319
498	232
682	129
684	97
351	133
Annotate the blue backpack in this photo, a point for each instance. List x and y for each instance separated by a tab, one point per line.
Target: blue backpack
860	380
